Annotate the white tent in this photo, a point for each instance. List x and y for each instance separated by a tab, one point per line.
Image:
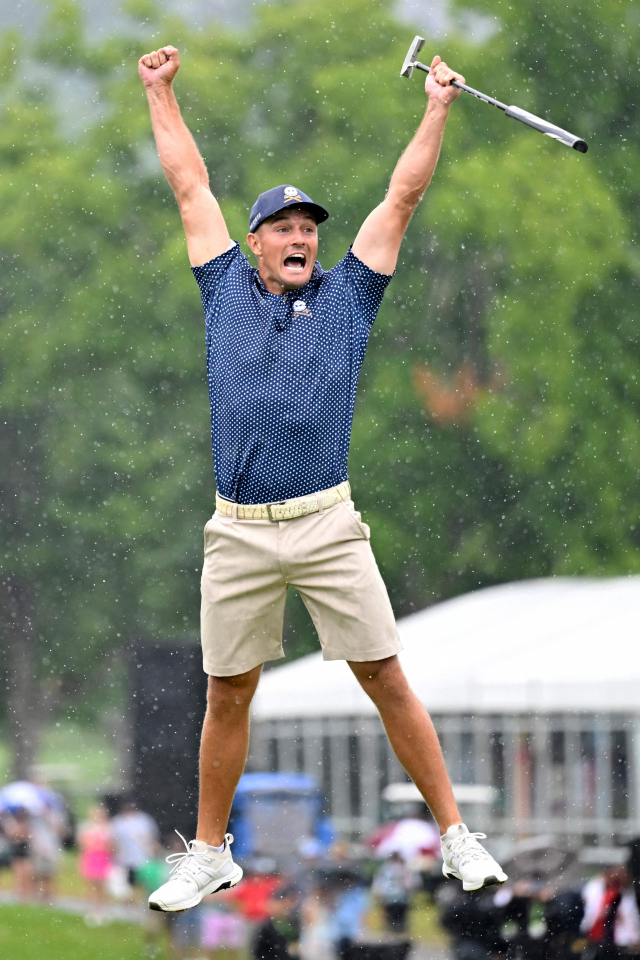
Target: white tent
560	644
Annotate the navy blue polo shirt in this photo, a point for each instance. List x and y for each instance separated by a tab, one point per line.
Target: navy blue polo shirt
283	372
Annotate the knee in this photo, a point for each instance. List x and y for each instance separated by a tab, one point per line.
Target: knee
381	679
228	697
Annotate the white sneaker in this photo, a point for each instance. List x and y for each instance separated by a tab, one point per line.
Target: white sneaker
467	860
196	873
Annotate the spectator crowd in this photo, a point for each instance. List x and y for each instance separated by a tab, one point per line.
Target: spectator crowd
316	905
34	827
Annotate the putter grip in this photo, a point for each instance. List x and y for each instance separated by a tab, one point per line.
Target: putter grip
549	130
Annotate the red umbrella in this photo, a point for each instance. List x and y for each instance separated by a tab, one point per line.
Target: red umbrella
409	837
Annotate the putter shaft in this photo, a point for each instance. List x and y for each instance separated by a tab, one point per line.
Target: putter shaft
516	113
463	86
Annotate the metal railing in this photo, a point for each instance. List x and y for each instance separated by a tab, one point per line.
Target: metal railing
573	775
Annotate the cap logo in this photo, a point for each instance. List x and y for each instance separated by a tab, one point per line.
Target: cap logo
291	193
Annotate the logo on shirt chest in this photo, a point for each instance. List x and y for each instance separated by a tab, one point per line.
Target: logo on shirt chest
300	309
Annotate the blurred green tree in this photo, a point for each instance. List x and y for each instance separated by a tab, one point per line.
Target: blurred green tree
496	432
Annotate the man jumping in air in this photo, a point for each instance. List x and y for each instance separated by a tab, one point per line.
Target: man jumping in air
285	343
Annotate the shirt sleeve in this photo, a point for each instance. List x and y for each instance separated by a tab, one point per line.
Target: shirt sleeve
366	286
210	275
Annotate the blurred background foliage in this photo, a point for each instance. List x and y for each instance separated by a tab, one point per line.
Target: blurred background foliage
496	433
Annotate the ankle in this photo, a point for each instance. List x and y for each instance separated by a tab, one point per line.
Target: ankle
211	839
450	823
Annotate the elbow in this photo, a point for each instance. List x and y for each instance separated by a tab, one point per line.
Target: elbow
186	184
404	202
187	192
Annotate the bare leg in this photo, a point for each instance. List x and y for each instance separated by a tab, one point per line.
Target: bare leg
411	734
23	877
223	750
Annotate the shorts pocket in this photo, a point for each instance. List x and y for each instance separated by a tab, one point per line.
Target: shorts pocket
207	528
356	519
210	530
214	527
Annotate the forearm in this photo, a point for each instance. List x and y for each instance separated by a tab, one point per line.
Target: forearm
415	167
181	161
379	238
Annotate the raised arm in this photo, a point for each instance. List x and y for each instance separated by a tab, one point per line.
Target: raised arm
204	226
379	238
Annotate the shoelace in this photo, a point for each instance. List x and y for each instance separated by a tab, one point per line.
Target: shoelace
183	862
467	847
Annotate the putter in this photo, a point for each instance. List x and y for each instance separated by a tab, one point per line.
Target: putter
548	129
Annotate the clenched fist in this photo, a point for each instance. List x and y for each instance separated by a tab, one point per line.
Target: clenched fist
159	66
438	83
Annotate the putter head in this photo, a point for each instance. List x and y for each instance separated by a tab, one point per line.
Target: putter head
411	57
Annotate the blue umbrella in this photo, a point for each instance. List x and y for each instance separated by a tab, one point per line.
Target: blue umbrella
22	795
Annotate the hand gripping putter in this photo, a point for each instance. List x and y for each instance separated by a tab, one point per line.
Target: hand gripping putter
548	129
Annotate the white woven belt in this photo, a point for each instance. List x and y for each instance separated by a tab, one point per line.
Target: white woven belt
285	509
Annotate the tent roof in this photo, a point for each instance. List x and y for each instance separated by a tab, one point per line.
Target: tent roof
558	644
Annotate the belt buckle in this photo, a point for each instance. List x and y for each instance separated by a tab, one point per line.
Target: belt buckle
270	514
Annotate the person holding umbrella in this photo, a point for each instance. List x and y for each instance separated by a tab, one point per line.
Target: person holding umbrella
21	802
394	885
17	827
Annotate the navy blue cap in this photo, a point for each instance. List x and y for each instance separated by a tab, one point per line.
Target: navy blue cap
281	198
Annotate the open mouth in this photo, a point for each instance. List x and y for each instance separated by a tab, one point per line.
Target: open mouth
295	262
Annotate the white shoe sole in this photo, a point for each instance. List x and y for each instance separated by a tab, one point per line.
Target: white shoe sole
224	884
491	880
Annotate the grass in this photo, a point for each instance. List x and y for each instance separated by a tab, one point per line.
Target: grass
67	744
37	932
75	758
68	883
34	933
423	921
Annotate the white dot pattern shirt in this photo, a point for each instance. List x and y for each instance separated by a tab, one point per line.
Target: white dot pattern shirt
283	372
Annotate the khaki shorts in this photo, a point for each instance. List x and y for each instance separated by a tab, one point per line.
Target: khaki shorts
327	557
